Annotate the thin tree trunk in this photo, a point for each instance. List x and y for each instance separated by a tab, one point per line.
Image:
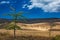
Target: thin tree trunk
15	27
14	32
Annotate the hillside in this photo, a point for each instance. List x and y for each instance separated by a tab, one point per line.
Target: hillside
37	20
34	27
44	22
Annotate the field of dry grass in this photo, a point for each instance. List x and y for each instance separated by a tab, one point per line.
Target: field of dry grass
26	34
29	34
21	35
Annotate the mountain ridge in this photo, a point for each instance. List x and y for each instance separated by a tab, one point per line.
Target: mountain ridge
37	20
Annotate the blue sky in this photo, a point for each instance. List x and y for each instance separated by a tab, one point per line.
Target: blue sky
34	8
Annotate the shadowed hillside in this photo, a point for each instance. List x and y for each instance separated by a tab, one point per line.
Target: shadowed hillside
27	34
37	20
4	22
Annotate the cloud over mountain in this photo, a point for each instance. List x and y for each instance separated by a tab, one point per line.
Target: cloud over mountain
45	5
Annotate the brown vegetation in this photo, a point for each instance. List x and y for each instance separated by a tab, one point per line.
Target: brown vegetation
22	35
25	35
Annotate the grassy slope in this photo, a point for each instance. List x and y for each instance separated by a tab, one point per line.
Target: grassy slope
25	35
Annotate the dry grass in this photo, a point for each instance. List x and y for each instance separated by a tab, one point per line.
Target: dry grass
21	35
25	32
25	35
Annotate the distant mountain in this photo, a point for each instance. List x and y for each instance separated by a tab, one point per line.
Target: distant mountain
37	20
4	22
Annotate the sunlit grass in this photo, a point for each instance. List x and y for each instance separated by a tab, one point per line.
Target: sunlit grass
23	35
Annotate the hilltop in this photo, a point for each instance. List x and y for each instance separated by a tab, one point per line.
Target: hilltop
30	21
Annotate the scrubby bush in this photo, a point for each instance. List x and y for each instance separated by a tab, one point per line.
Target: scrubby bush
57	37
11	26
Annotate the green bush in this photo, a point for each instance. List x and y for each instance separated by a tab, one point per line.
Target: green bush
11	26
57	37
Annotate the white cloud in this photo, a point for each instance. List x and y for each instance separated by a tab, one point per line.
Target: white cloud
45	5
3	2
24	6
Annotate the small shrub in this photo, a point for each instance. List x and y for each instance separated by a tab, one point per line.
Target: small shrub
9	27
57	37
